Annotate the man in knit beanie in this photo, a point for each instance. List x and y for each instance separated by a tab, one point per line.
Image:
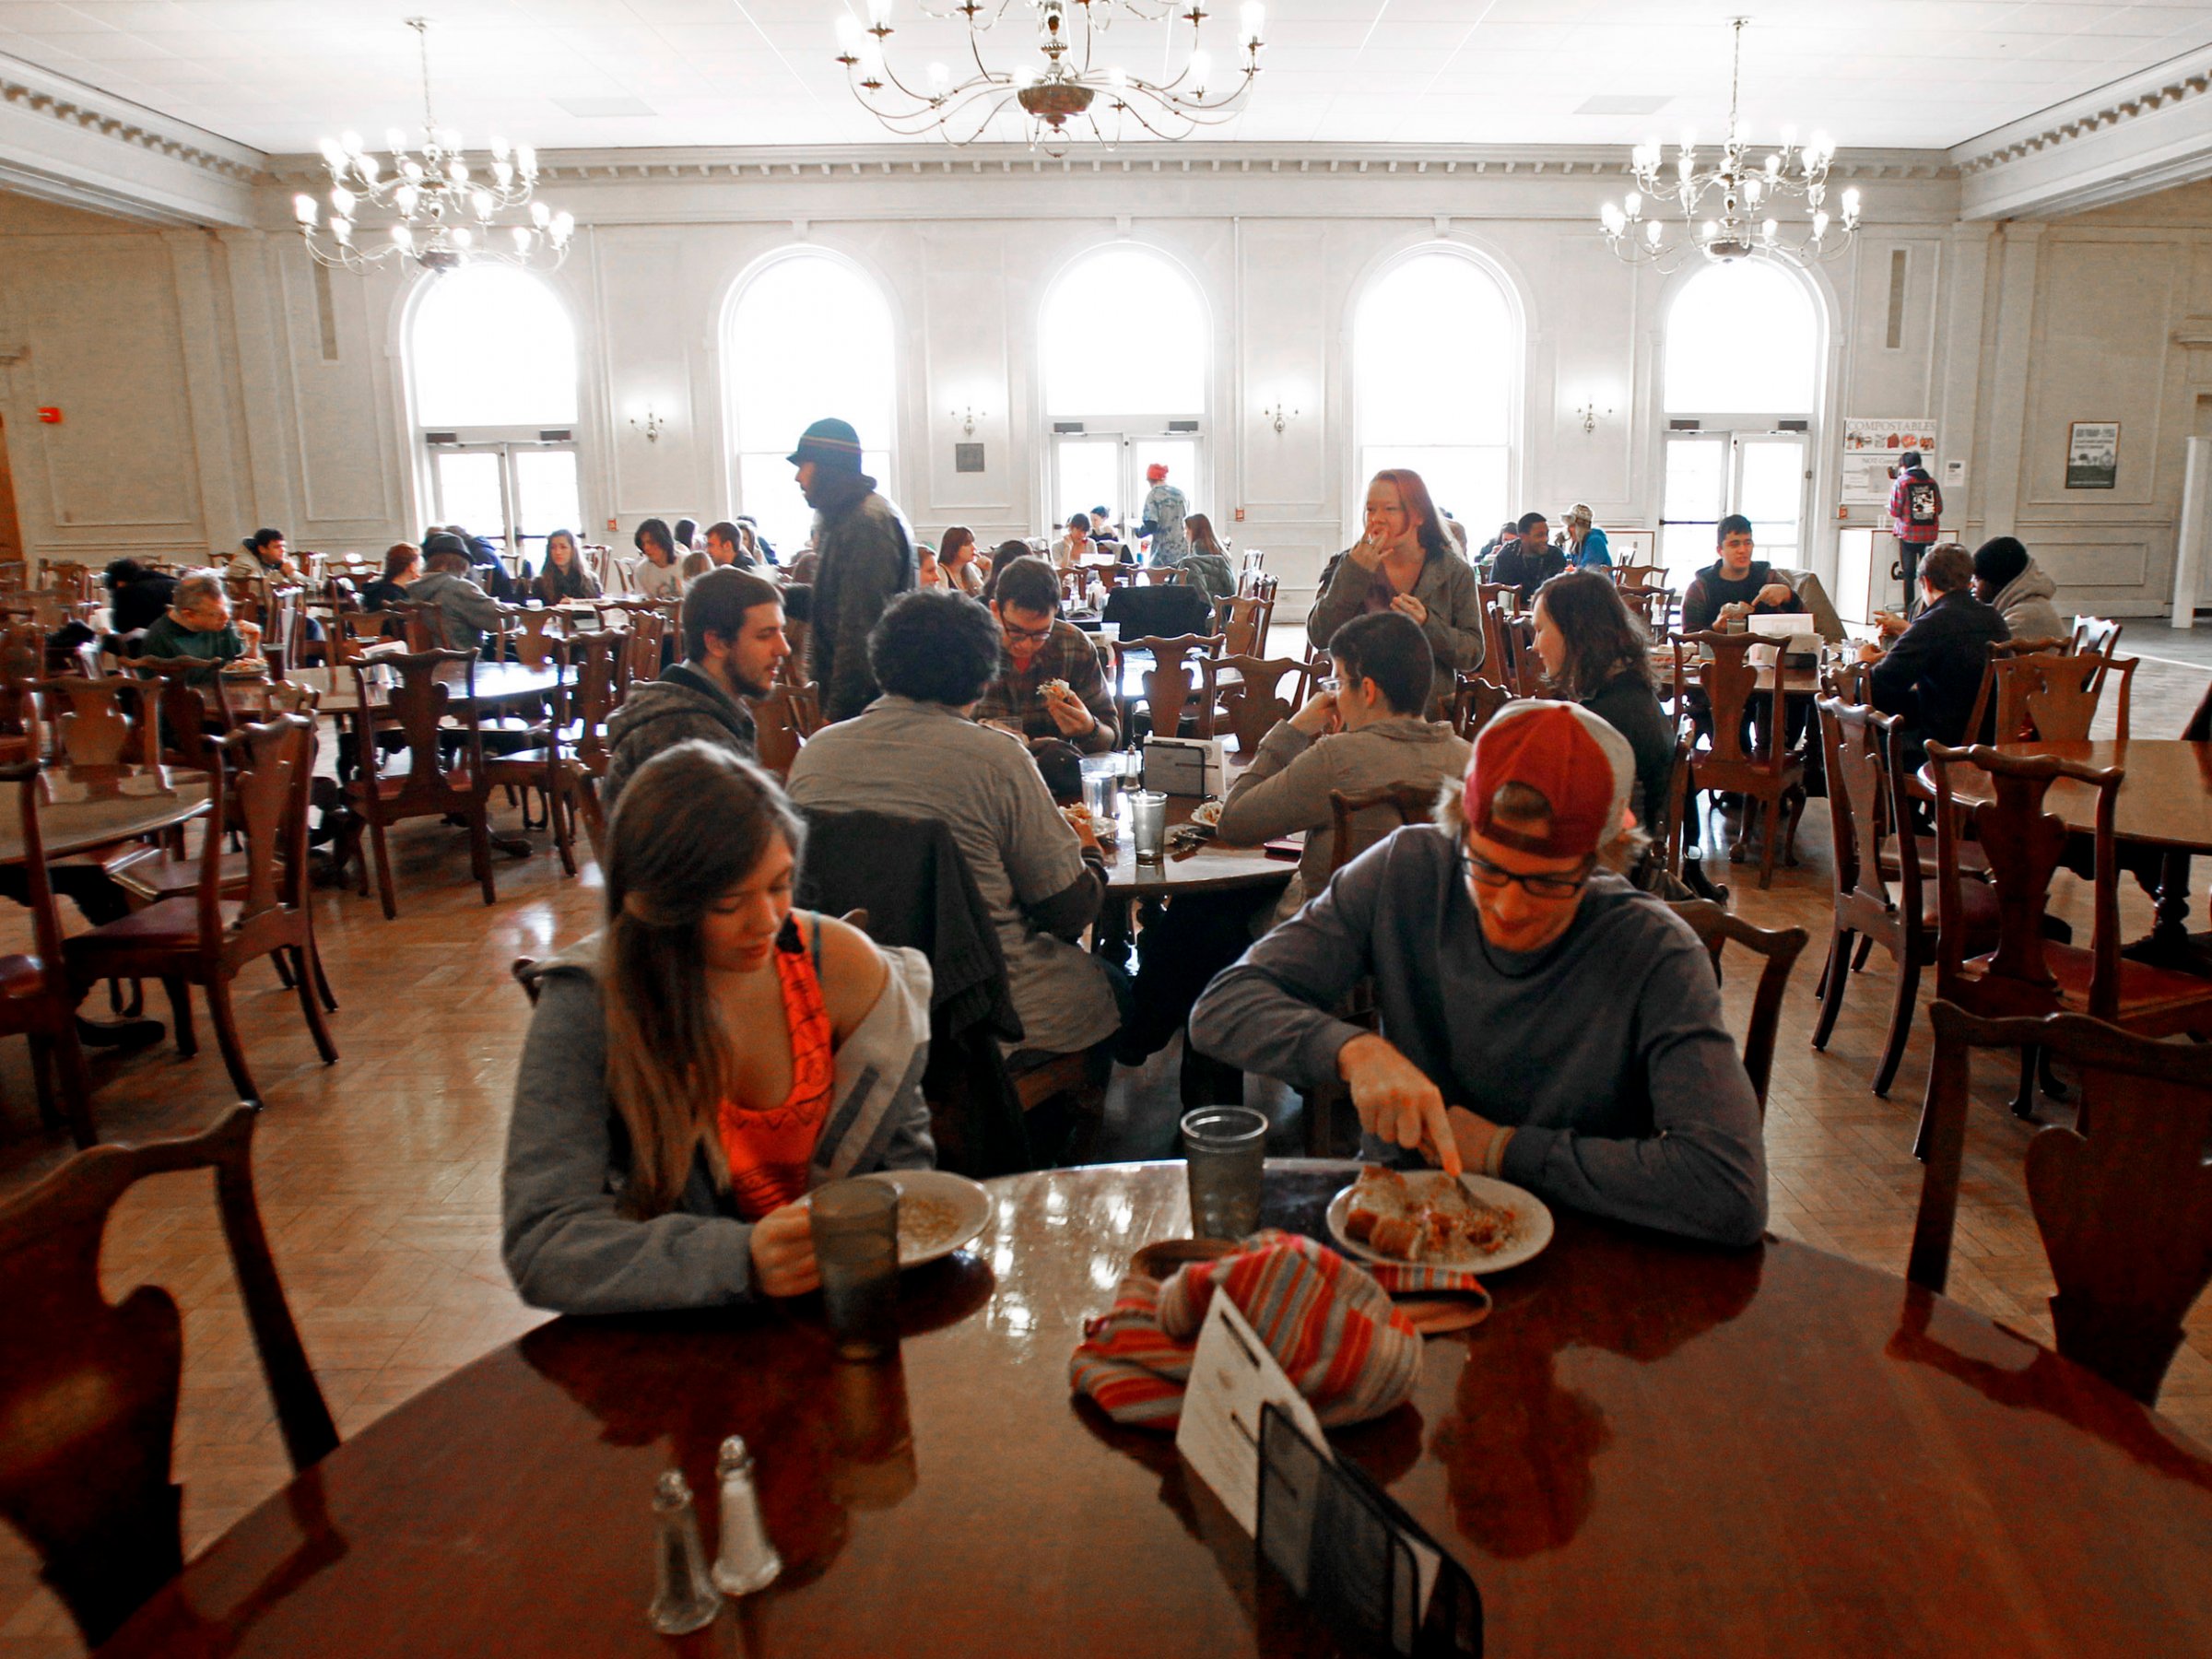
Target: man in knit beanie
865	559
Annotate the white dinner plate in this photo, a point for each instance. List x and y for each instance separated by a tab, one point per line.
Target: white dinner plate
966	1199
1532	1224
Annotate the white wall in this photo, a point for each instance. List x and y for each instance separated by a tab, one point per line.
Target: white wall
198	402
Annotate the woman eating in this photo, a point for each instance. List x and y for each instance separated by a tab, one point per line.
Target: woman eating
1405	562
700	1064
564	576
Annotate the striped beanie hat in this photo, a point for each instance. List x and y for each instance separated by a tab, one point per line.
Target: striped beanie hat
1329	1324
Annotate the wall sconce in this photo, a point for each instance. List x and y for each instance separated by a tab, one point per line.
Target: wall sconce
650	426
1278	417
1590	415
967	418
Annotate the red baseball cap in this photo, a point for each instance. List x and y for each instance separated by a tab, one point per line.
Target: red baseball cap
1580	765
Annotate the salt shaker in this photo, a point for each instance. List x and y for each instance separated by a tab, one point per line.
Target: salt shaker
684	1598
747	1562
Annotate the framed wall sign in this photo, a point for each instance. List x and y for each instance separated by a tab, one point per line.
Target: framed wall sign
967	457
2092	454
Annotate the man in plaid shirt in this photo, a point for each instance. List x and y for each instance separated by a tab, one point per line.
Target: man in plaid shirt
1915	508
1049	684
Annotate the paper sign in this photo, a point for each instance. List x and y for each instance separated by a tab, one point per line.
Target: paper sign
1232	1375
1871	449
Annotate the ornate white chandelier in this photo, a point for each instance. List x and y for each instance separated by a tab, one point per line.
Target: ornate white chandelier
1743	221
1069	93
444	213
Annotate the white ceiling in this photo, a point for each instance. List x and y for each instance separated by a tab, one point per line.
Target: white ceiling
278	74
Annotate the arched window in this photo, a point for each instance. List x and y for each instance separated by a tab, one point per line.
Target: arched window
1125	349
809	337
491	361
1434	352
1743	359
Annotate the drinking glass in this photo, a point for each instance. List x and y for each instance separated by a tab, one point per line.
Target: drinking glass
1111	632
855	1226
1148	824
1225	1149
1101	794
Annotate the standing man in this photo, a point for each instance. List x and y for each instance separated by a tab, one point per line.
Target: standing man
1916	510
865	558
1164	511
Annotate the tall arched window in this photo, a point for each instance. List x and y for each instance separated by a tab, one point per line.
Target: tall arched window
1126	345
491	358
809	337
1434	353
1743	361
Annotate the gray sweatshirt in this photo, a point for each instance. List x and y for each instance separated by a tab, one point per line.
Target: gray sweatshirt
569	1245
1606	1052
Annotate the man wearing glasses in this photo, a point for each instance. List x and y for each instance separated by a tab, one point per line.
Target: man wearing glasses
1542	1020
1049	685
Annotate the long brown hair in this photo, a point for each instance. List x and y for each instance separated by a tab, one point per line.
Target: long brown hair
692	823
1436	541
1603	638
1201	531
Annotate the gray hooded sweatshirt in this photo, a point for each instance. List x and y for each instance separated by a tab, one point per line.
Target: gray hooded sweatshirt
2026	605
568	1243
682	705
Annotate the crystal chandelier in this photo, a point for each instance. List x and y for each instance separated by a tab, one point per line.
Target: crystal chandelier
1744	224
444	211
1068	93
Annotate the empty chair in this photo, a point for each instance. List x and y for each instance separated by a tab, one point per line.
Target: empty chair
1241	697
1778	949
1474	700
36	1000
419	705
1171	681
2039	697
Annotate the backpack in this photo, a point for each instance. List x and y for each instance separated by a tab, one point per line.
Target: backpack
1923	502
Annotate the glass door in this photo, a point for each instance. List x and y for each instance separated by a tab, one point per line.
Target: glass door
1768	489
510	493
1710	475
1087	473
471	487
1694	501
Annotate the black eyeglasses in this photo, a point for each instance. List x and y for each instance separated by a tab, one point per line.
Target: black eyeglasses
1027	636
1545	885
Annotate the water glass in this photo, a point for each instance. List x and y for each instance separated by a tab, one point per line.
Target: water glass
1111	632
1101	795
1148	824
855	1226
1225	1149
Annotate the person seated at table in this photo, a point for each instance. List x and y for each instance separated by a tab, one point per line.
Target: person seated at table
1049	682
197	624
1931	674
565	575
1005	554
1073	548
733	642
486	567
725	545
658	576
1540	1019
959	563
1103	533
1586	547
1207	568
694	565
1529	560
687	536
697	1066
466	612
263	556
1736	585
2008	581
915	752
137	596
403	567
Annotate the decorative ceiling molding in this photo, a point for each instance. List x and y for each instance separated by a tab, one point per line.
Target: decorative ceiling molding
2073	126
43	93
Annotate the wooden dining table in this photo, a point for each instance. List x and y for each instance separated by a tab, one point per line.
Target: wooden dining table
81	807
496	683
1649	1447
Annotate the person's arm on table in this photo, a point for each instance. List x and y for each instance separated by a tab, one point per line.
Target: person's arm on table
1286	788
1058	870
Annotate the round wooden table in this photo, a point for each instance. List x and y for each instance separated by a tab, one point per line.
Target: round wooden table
1651	1448
85	806
496	683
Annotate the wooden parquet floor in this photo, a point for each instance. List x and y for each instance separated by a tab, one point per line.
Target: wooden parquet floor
379	1176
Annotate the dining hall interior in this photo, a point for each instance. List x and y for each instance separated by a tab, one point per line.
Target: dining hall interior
759	758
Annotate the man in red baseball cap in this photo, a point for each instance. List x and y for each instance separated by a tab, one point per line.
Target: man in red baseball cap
1541	1020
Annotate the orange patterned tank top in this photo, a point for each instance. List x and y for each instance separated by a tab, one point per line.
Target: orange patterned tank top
768	1151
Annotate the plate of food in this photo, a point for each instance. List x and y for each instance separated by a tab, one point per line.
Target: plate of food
938	1211
1207	813
1427	1218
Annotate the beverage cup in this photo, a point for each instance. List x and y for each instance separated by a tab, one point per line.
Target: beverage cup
1148	824
1224	1151
855	1226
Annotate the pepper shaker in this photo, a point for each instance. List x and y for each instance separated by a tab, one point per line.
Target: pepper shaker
684	1598
748	1560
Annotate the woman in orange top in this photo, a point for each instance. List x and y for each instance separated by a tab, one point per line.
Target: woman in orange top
685	1066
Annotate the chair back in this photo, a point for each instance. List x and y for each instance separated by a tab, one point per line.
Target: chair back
419	705
280	625
1360	817
105	721
1778	948
1863	748
38	887
2094	636
184	720
531	635
1474	701
1242	697
1729	682
593	695
22	662
1170	682
2023	845
1631	578
1242	621
259	788
640	658
779	723
2048	698
2123	1202
90	1489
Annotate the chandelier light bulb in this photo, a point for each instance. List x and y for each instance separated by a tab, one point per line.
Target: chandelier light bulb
564	227
405	198
1118	78
342	201
463	237
482	202
305	210
411	171
1819	225
457	171
1851	205
502	173
394	140
540	215
1202	65
1771	229
1255	20
879	14
369	169
1634	203
1712	229
403	237
350	143
1774	166
332	154
1754	187
342	229
521	238
1610	215
1653	234
527	158
848	34
499	149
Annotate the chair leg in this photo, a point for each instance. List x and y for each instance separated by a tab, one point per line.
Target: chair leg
2023	1103
226	1038
1831	983
479	850
41	1082
564	828
180	1008
1770	832
383	870
305	971
1900	1019
1866	950
315	962
77	1083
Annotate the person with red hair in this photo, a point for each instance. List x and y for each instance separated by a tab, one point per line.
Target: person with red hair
1405	562
1165	509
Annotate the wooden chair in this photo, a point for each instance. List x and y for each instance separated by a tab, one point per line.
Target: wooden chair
2123	1202
419	706
538	762
260	783
1169	683
580	734
1779	948
1242	620
22	665
2026	973
1769	775
2094	636
1356	815
89	1486
1678	796
1474	701
535	635
35	996
777	736
2048	698
1241	696
1631	578
107	722
1880	883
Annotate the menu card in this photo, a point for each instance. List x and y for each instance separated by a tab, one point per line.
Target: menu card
1233	1375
